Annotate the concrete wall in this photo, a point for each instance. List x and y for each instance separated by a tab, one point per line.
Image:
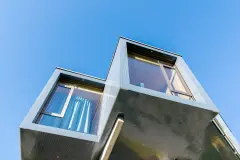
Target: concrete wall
112	85
195	87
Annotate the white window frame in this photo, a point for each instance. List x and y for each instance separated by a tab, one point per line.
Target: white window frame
65	106
161	66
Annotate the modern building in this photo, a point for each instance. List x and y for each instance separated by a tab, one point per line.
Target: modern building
150	107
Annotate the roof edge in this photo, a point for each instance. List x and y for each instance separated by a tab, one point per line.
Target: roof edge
161	50
80	73
227	133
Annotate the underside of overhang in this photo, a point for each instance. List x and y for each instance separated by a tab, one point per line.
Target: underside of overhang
155	127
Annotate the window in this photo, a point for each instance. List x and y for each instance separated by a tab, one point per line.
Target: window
72	108
58	99
152	74
147	74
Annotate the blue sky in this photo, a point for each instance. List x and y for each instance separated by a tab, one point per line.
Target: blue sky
37	36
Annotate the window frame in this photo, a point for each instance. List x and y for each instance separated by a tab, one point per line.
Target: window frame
162	65
61	115
72	87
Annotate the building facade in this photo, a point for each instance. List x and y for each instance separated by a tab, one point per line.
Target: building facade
150	107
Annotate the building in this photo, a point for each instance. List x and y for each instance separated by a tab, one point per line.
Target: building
150	107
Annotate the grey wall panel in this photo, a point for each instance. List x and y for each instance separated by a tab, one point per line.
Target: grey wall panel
110	94
112	87
124	65
161	95
227	132
195	87
34	110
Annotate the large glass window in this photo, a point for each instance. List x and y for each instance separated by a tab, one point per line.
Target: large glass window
147	74
175	80
72	108
57	100
152	74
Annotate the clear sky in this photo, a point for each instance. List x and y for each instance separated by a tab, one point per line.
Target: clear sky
36	36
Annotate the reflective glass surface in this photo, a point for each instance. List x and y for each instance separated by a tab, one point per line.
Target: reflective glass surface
57	100
81	111
175	80
182	96
49	120
146	75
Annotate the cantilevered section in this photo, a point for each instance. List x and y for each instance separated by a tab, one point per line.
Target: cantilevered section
64	120
167	114
166	110
215	147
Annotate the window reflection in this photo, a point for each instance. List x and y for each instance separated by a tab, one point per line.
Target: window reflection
57	100
49	120
79	113
174	79
151	74
146	75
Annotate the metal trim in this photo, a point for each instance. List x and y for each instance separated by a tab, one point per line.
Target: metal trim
144	60
80	88
181	79
183	93
149	46
226	137
52	114
64	106
184	83
63	69
166	77
89	90
67	102
112	139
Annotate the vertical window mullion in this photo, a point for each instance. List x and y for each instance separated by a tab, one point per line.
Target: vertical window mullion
67	101
166	77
